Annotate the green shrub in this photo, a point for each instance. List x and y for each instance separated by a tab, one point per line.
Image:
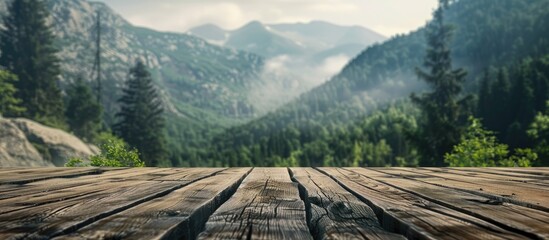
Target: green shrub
76	162
480	148
114	153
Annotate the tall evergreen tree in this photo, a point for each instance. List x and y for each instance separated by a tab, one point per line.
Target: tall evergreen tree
141	123
484	107
83	112
9	104
443	113
26	43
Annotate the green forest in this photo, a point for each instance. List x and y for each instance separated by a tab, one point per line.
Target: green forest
470	88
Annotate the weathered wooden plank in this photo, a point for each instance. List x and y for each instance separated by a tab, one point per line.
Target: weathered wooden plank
480	174
81	179
36	174
528	222
414	217
60	188
180	214
483	175
335	212
498	172
184	174
533	171
57	217
265	206
513	192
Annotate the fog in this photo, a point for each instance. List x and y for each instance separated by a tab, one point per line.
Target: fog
286	77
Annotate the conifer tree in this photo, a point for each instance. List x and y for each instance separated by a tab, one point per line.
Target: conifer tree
141	123
443	113
83	112
9	104
26	46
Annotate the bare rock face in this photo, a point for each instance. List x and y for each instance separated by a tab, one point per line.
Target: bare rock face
56	145
16	150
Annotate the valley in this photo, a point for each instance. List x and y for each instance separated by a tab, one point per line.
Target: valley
314	93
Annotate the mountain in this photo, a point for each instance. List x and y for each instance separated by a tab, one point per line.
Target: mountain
327	35
260	39
298	57
272	40
205	87
487	34
211	33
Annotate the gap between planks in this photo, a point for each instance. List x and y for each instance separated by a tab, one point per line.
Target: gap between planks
67	216
179	214
412	216
526	221
531	196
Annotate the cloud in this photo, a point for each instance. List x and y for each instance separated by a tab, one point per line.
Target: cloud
333	65
285	78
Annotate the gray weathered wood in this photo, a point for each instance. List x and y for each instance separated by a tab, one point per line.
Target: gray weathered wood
180	214
490	176
49	186
532	196
414	217
529	222
22	176
335	212
502	173
57	215
267	205
328	203
533	171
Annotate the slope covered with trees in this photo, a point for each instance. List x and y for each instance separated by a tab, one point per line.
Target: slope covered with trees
487	34
204	88
28	52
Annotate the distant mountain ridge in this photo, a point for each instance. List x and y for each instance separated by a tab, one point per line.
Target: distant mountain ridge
299	56
271	40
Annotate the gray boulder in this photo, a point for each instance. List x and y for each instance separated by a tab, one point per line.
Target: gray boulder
16	150
55	145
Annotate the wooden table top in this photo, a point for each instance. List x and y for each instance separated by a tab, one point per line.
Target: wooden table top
274	203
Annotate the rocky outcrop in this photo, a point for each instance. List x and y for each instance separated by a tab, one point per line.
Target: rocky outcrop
27	143
16	150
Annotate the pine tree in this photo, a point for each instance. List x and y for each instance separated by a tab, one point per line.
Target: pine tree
141	123
500	101
9	104
83	112
484	108
443	114
26	43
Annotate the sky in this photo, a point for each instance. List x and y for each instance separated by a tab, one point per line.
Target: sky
388	17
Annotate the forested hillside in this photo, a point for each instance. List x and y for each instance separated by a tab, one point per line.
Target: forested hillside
327	125
204	87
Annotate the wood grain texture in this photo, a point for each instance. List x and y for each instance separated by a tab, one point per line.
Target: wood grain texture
483	175
274	203
335	212
51	185
505	173
56	215
532	196
22	176
528	222
533	171
267	205
414	217
180	214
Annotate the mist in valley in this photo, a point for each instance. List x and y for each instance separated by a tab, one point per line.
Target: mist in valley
284	78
